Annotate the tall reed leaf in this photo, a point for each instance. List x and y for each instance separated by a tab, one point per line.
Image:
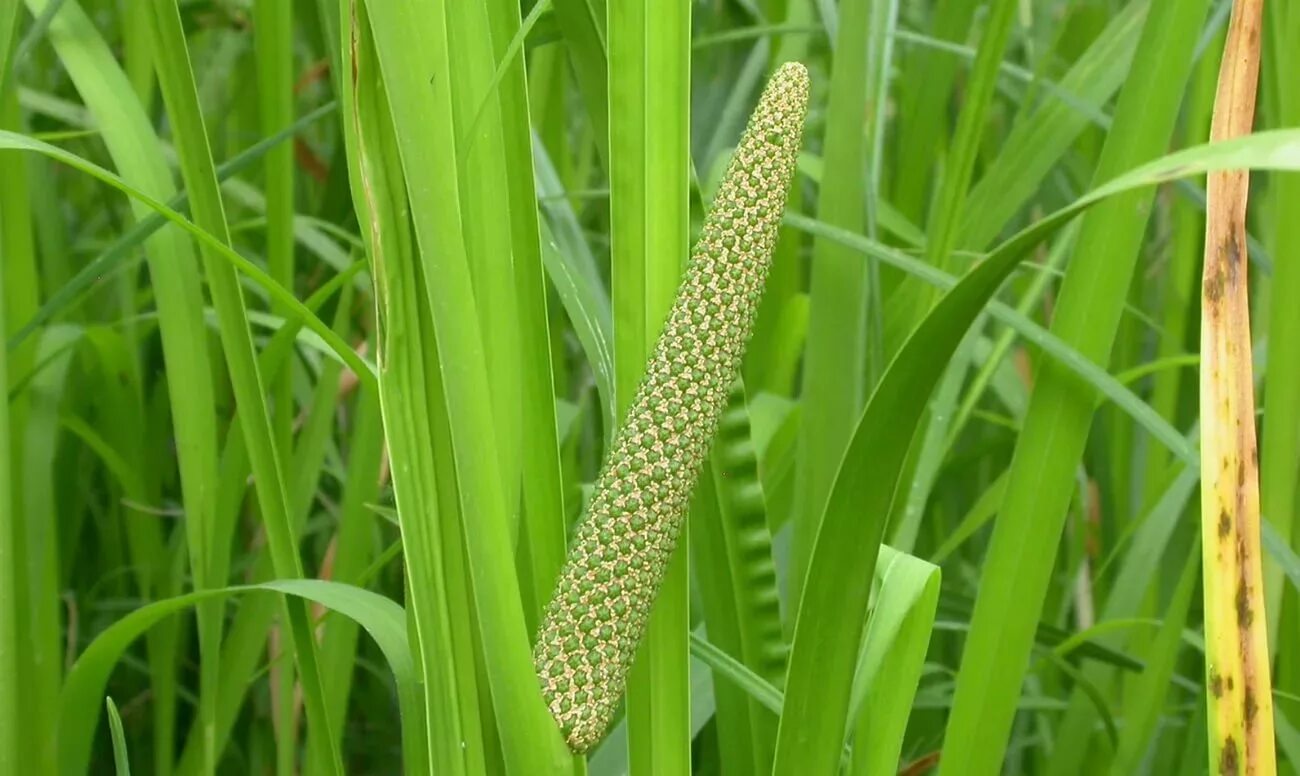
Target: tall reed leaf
1021	555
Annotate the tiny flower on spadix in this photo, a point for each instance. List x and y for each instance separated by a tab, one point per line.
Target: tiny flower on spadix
598	612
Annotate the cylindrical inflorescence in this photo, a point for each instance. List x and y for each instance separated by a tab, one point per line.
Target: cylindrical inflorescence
602	601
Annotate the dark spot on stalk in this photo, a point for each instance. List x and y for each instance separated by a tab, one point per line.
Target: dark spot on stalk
1249	706
1245	615
352	10
1241	474
1216	684
1214	287
1234	259
1225	524
1228	765
1231	683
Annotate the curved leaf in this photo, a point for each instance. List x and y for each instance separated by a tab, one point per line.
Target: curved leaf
382	618
893	655
338	348
122	249
839	583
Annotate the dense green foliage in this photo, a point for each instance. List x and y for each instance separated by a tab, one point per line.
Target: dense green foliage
323	318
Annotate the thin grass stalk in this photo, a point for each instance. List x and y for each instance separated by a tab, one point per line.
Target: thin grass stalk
482	745
543	529
172	267
126	429
583	25
273	47
378	185
836	357
1017	569
176	79
1181	302
137	56
353	553
1280	447
241	654
314	441
39	532
486	224
944	222
16	727
33	450
1239	694
10	703
649	164
1036	142
925	93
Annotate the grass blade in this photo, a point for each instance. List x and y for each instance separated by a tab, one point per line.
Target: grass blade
10	701
121	763
1020	558
543	497
1239	693
1142	711
411	44
649	164
736	580
892	656
379	196
835	358
384	620
173	271
176	79
815	706
1280	446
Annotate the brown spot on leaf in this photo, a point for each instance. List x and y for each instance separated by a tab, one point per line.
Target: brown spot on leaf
1245	614
1216	684
1231	683
1249	706
1225	524
1241	474
1228	765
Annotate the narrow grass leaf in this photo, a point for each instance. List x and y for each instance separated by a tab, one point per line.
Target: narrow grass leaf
384	620
1022	552
410	40
649	168
840	588
121	762
835	358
